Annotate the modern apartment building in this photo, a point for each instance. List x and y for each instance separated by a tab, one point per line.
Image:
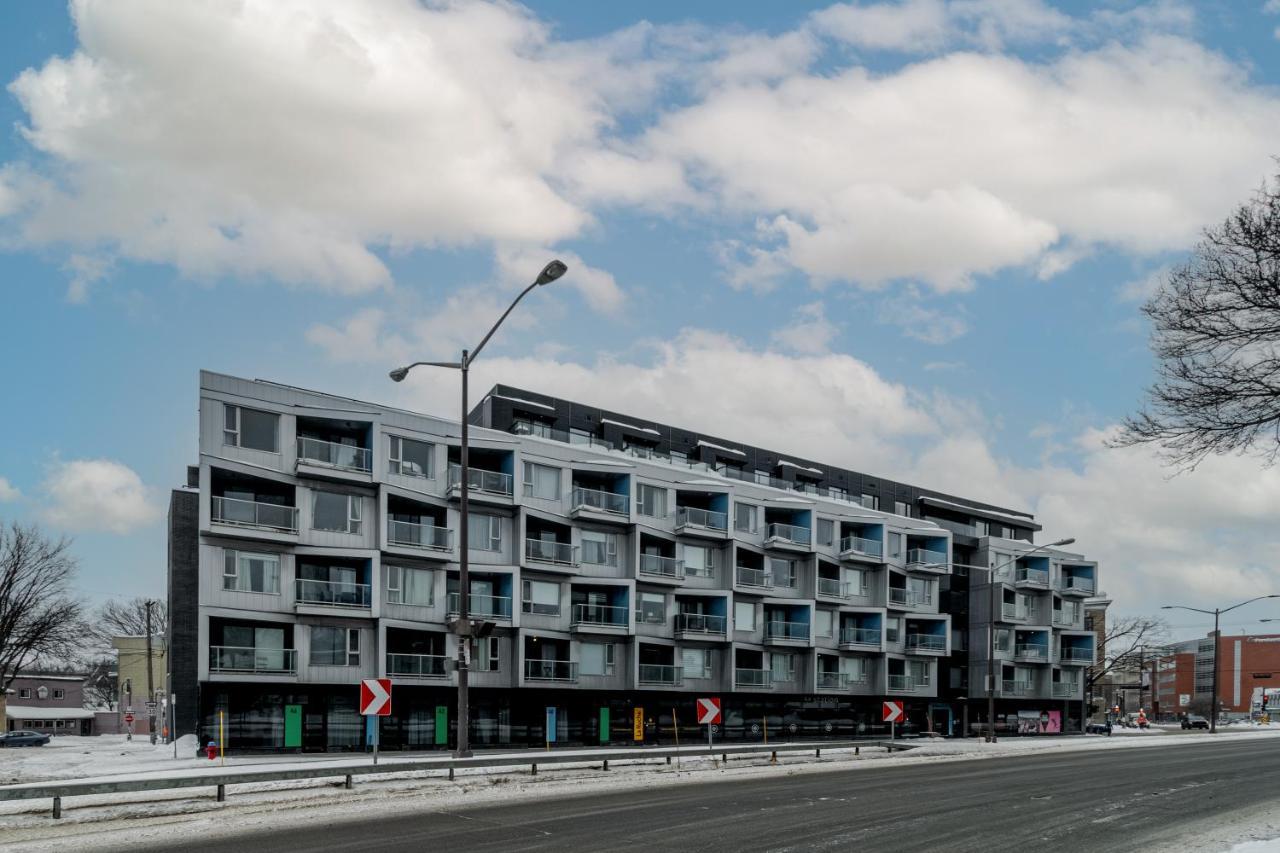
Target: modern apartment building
623	564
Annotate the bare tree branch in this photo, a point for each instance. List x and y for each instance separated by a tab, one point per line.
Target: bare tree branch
38	617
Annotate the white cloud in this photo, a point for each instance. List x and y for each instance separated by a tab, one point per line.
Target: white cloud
928	325
1142	289
913	25
809	332
8	491
520	266
97	494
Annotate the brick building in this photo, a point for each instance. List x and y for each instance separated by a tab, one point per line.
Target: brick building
52	704
1246	665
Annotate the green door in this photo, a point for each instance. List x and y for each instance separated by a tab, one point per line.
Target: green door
442	725
293	726
604	725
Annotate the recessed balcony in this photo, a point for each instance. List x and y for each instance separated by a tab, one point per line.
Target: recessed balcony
599	505
858	548
752	679
1070	656
552	553
562	671
926	644
658	675
257	515
494	607
664	568
1066	690
248	660
701	522
483	485
753	578
599	618
1031	578
925	560
695	626
426	537
417	666
860	639
325	593
339	456
1031	652
1017	688
781	632
787	536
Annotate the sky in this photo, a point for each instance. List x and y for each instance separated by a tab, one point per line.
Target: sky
911	238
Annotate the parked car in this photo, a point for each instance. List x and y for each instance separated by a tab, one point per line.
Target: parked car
1194	721
25	737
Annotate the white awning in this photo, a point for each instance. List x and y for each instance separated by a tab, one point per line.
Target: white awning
32	712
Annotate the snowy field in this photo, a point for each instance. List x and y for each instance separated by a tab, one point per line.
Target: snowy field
125	819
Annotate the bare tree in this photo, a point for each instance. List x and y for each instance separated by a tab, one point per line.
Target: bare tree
101	684
1128	643
1216	333
127	619
38	616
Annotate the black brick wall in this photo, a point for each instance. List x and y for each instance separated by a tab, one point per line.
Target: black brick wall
184	602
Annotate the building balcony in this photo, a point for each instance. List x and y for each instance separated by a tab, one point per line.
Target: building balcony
1028	578
407	534
752	679
665	568
924	560
1076	657
857	639
417	666
595	617
332	454
926	644
546	551
658	675
481	606
856	547
1031	653
248	660
253	514
1076	586
901	597
789	633
1017	688
480	483
701	522
1013	613
599	505
1065	619
562	671
787	536
1066	690
901	683
838	680
331	593
835	588
754	578
700	626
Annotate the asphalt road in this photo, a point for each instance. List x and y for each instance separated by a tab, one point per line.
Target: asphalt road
1129	799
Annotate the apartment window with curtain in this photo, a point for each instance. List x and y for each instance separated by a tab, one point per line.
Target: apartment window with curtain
651	607
651	501
243	571
783	666
250	429
696	663
784	573
826	531
336	512
600	549
892	629
410	458
596	659
484	532
744	517
857	580
541	481
895	544
484	654
697	561
744	616
823	623
901	508
919	671
335	646
540	598
407	585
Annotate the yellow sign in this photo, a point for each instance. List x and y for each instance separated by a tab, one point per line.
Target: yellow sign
637	724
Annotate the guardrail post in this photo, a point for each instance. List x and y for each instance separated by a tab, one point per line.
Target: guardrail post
857	750
534	771
724	756
606	764
222	793
668	759
450	774
817	753
57	807
347	782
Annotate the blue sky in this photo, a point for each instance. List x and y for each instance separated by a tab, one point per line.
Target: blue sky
936	219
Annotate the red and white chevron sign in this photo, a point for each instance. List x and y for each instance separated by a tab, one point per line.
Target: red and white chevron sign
375	697
708	711
893	712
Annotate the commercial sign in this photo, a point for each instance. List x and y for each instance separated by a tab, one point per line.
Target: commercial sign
637	724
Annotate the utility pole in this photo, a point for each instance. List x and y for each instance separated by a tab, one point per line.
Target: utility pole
151	689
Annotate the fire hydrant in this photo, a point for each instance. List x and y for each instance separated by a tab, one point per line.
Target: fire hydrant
211	751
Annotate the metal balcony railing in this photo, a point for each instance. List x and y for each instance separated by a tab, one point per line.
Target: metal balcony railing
757	578
655	565
242	513
858	545
546	551
1072	655
535	608
480	480
481	606
926	642
417	666
413	535
687	516
550	670
925	557
700	623
1065	690
1031	651
248	659
1017	688
602	615
334	593
1030	576
655	673
752	678
601	501
834	588
860	637
788	533
910	597
1074	584
833	680
1065	618
1012	611
901	683
332	454
779	630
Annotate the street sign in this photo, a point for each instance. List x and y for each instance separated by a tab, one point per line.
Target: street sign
637	724
708	711
892	712
375	697
128	718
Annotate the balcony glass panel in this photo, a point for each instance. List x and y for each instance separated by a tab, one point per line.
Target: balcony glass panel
248	659
254	514
334	454
335	593
420	666
413	535
693	517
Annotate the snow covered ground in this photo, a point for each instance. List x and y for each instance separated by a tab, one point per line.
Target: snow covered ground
128	818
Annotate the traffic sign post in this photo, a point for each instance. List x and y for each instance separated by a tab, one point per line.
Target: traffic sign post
375	701
709	714
892	714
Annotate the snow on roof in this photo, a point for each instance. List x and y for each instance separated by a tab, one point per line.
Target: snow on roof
39	676
525	402
649	430
732	450
791	500
602	461
801	467
1023	520
31	712
719	484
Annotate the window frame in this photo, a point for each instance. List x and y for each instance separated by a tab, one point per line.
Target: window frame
237	556
737	626
528	484
494	536
354	513
643	507
349	647
236	431
754	526
399	586
395	457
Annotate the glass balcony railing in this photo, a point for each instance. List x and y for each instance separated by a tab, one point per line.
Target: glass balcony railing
550	670
1031	652
655	565
860	637
700	623
1013	611
248	659
481	606
687	516
757	578
600	501
858	545
833	680
926	642
546	551
1075	655
242	513
1065	618
1031	577
752	678
601	615
413	535
333	593
910	597
1017	688
332	454
1077	584
788	533
834	588
538	608
417	666
1065	690
655	673
901	683
780	630
925	557
480	480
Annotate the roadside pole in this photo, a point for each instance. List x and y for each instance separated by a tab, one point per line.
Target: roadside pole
151	690
377	736
222	737
675	725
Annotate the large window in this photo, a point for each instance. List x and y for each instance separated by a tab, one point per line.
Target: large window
744	517
596	659
541	481
901	508
744	616
484	532
410	458
651	501
823	622
484	654
783	666
784	573
696	663
895	544
336	512
826	531
407	585
698	562
540	598
335	646
652	608
869	501
892	629
599	548
246	572
250	429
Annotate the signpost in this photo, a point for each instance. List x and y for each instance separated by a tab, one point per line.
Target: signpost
551	725
709	715
892	714
375	701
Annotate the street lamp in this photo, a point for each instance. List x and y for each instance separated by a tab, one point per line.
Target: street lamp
991	632
1216	613
462	625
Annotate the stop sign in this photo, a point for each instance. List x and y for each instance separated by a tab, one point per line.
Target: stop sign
128	718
